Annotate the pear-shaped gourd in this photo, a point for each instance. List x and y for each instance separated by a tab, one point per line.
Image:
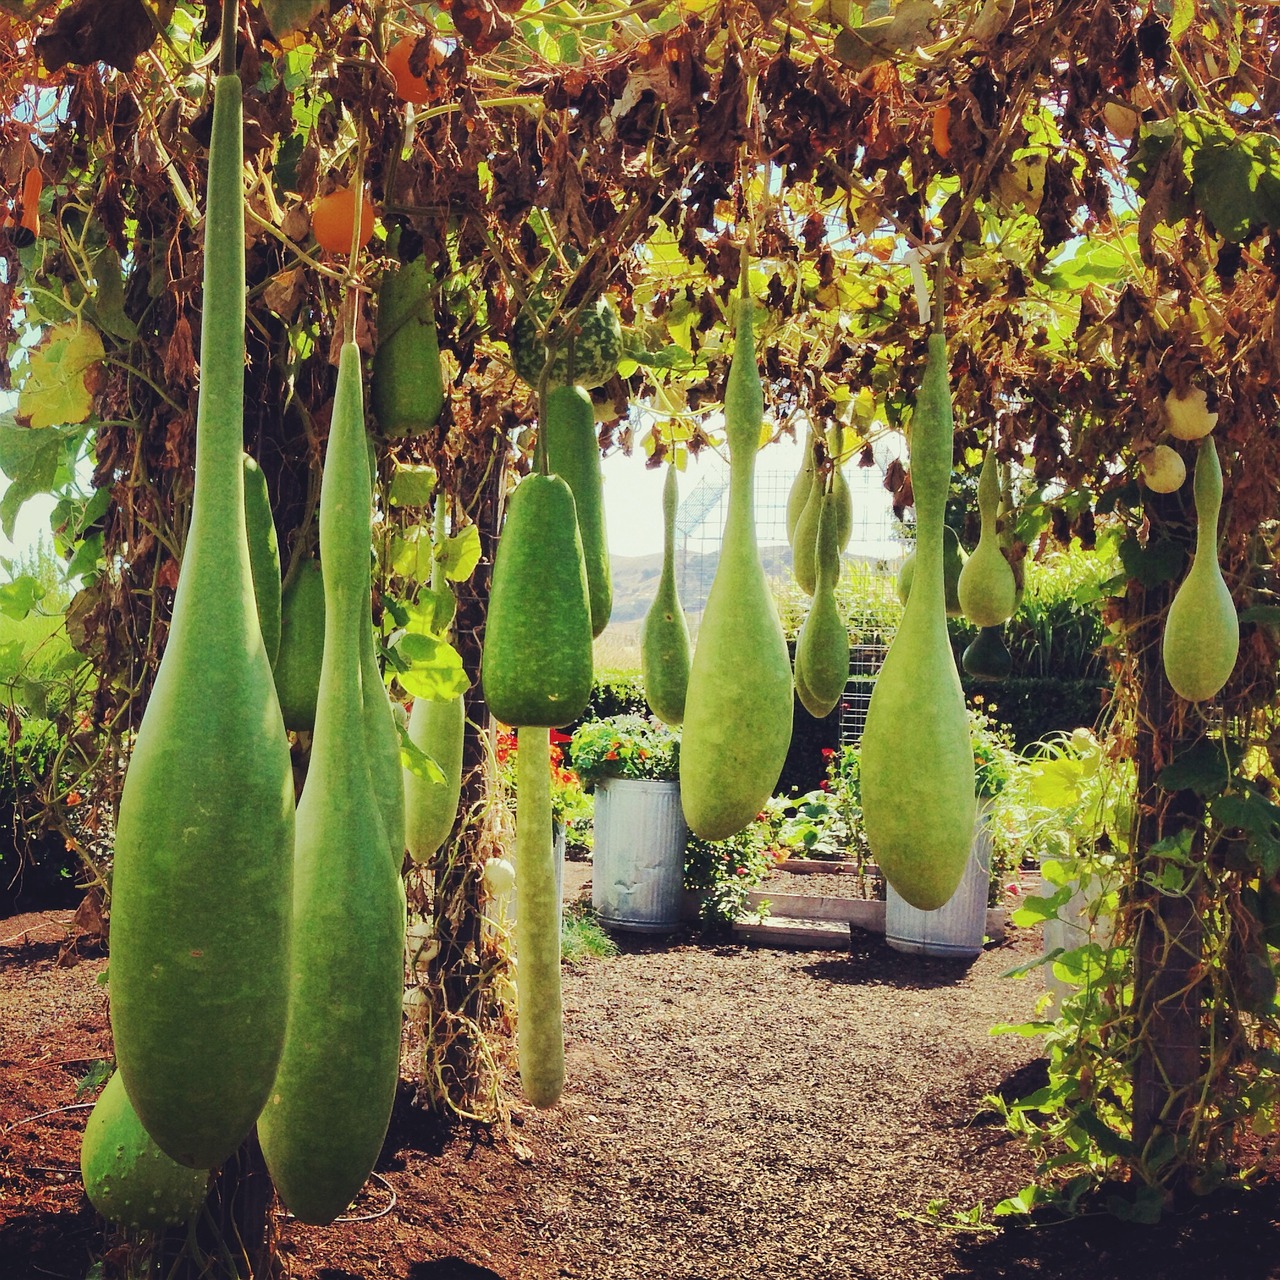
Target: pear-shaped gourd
436	728
822	650
328	1111
844	508
738	712
539	1020
407	385
986	657
664	639
801	486
917	759
1202	631
200	897
127	1178
537	664
264	555
297	671
988	592
574	455
953	561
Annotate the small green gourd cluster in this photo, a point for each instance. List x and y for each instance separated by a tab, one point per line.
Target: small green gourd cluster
738	710
805	504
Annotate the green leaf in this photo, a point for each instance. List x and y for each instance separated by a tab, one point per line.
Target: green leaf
1107	1140
30	459
1266	614
1205	768
430	667
287	16
460	554
87	559
13	658
19	597
1021	970
413	758
671	357
62	369
1181	19
1159	561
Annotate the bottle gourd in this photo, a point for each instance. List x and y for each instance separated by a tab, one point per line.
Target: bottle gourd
1202	631
953	561
329	1107
822	649
264	555
738	712
987	590
297	667
664	639
537	665
436	728
539	1008
204	846
574	455
801	487
917	758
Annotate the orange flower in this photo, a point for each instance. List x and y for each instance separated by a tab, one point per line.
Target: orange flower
74	798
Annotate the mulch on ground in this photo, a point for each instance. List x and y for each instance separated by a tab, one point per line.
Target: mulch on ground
730	1115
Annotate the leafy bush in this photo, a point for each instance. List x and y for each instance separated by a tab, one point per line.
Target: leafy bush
626	746
615	694
725	872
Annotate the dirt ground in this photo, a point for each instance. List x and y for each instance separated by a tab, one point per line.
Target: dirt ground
730	1115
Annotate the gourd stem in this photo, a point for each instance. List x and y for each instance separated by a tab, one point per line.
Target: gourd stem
230	27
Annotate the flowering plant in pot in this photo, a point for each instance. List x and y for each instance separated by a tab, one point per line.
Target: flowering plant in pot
627	746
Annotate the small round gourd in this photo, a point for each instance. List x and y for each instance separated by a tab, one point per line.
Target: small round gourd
597	345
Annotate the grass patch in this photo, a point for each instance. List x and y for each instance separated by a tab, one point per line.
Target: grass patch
582	938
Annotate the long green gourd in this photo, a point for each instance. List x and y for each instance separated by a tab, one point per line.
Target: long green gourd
917	759
127	1178
1202	631
574	455
738	712
840	487
297	667
264	555
537	665
406	382
539	1010
987	590
204	845
327	1115
801	487
804	542
664	639
436	728
822	649
382	739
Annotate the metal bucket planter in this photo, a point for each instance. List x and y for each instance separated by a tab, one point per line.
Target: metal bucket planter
956	929
637	873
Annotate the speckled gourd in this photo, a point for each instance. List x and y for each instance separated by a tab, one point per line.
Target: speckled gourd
127	1178
988	592
822	649
917	758
1202	631
738	712
664	639
539	1019
328	1110
200	915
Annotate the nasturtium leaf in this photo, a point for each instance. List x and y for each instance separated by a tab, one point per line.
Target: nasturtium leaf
63	373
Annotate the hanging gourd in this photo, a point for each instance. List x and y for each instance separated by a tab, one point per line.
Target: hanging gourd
738	712
539	1018
264	555
987	657
804	544
297	669
595	341
987	590
204	844
537	665
822	649
382	740
436	728
953	562
327	1115
1008	536
840	487
574	455
406	384
1202	631
664	639
127	1178
801	487
917	757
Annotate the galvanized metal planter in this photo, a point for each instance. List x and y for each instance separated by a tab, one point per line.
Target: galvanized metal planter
637	875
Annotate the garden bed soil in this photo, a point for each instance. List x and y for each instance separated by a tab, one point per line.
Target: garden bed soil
730	1115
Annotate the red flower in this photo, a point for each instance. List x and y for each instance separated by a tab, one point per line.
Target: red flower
828	752
557	736
825	784
610	755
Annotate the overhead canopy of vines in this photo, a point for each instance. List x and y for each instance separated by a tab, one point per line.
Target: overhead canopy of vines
1100	179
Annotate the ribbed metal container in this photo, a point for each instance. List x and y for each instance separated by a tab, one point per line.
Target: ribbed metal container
956	929
637	873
